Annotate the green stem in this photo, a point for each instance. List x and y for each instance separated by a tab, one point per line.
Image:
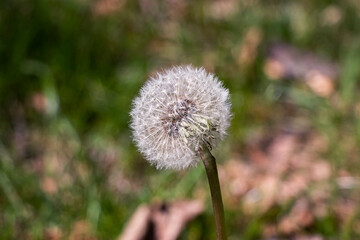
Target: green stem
212	174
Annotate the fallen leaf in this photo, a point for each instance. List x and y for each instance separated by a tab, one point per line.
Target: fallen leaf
163	221
285	61
299	217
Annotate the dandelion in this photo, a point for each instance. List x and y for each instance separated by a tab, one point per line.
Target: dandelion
179	116
178	111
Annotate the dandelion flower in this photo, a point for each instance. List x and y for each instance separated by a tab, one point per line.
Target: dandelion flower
177	112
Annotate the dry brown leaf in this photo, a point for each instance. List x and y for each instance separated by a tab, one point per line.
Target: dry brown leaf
311	237
137	227
292	187
346	209
320	170
81	230
319	83
299	217
331	15
248	50
285	61
49	186
222	9
163	221
106	7
263	197
288	166
40	102
53	233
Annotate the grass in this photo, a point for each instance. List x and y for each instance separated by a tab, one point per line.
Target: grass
68	76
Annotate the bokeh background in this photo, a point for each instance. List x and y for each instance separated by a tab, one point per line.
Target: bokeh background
69	70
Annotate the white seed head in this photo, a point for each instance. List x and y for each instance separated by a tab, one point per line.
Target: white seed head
177	112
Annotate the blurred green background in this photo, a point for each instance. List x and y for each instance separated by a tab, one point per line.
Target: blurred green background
69	70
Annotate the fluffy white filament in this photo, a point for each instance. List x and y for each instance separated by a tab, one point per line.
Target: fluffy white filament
178	111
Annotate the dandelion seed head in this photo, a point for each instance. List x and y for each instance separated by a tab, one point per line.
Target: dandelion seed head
177	111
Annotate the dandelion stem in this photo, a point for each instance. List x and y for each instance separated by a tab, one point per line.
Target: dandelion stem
213	178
